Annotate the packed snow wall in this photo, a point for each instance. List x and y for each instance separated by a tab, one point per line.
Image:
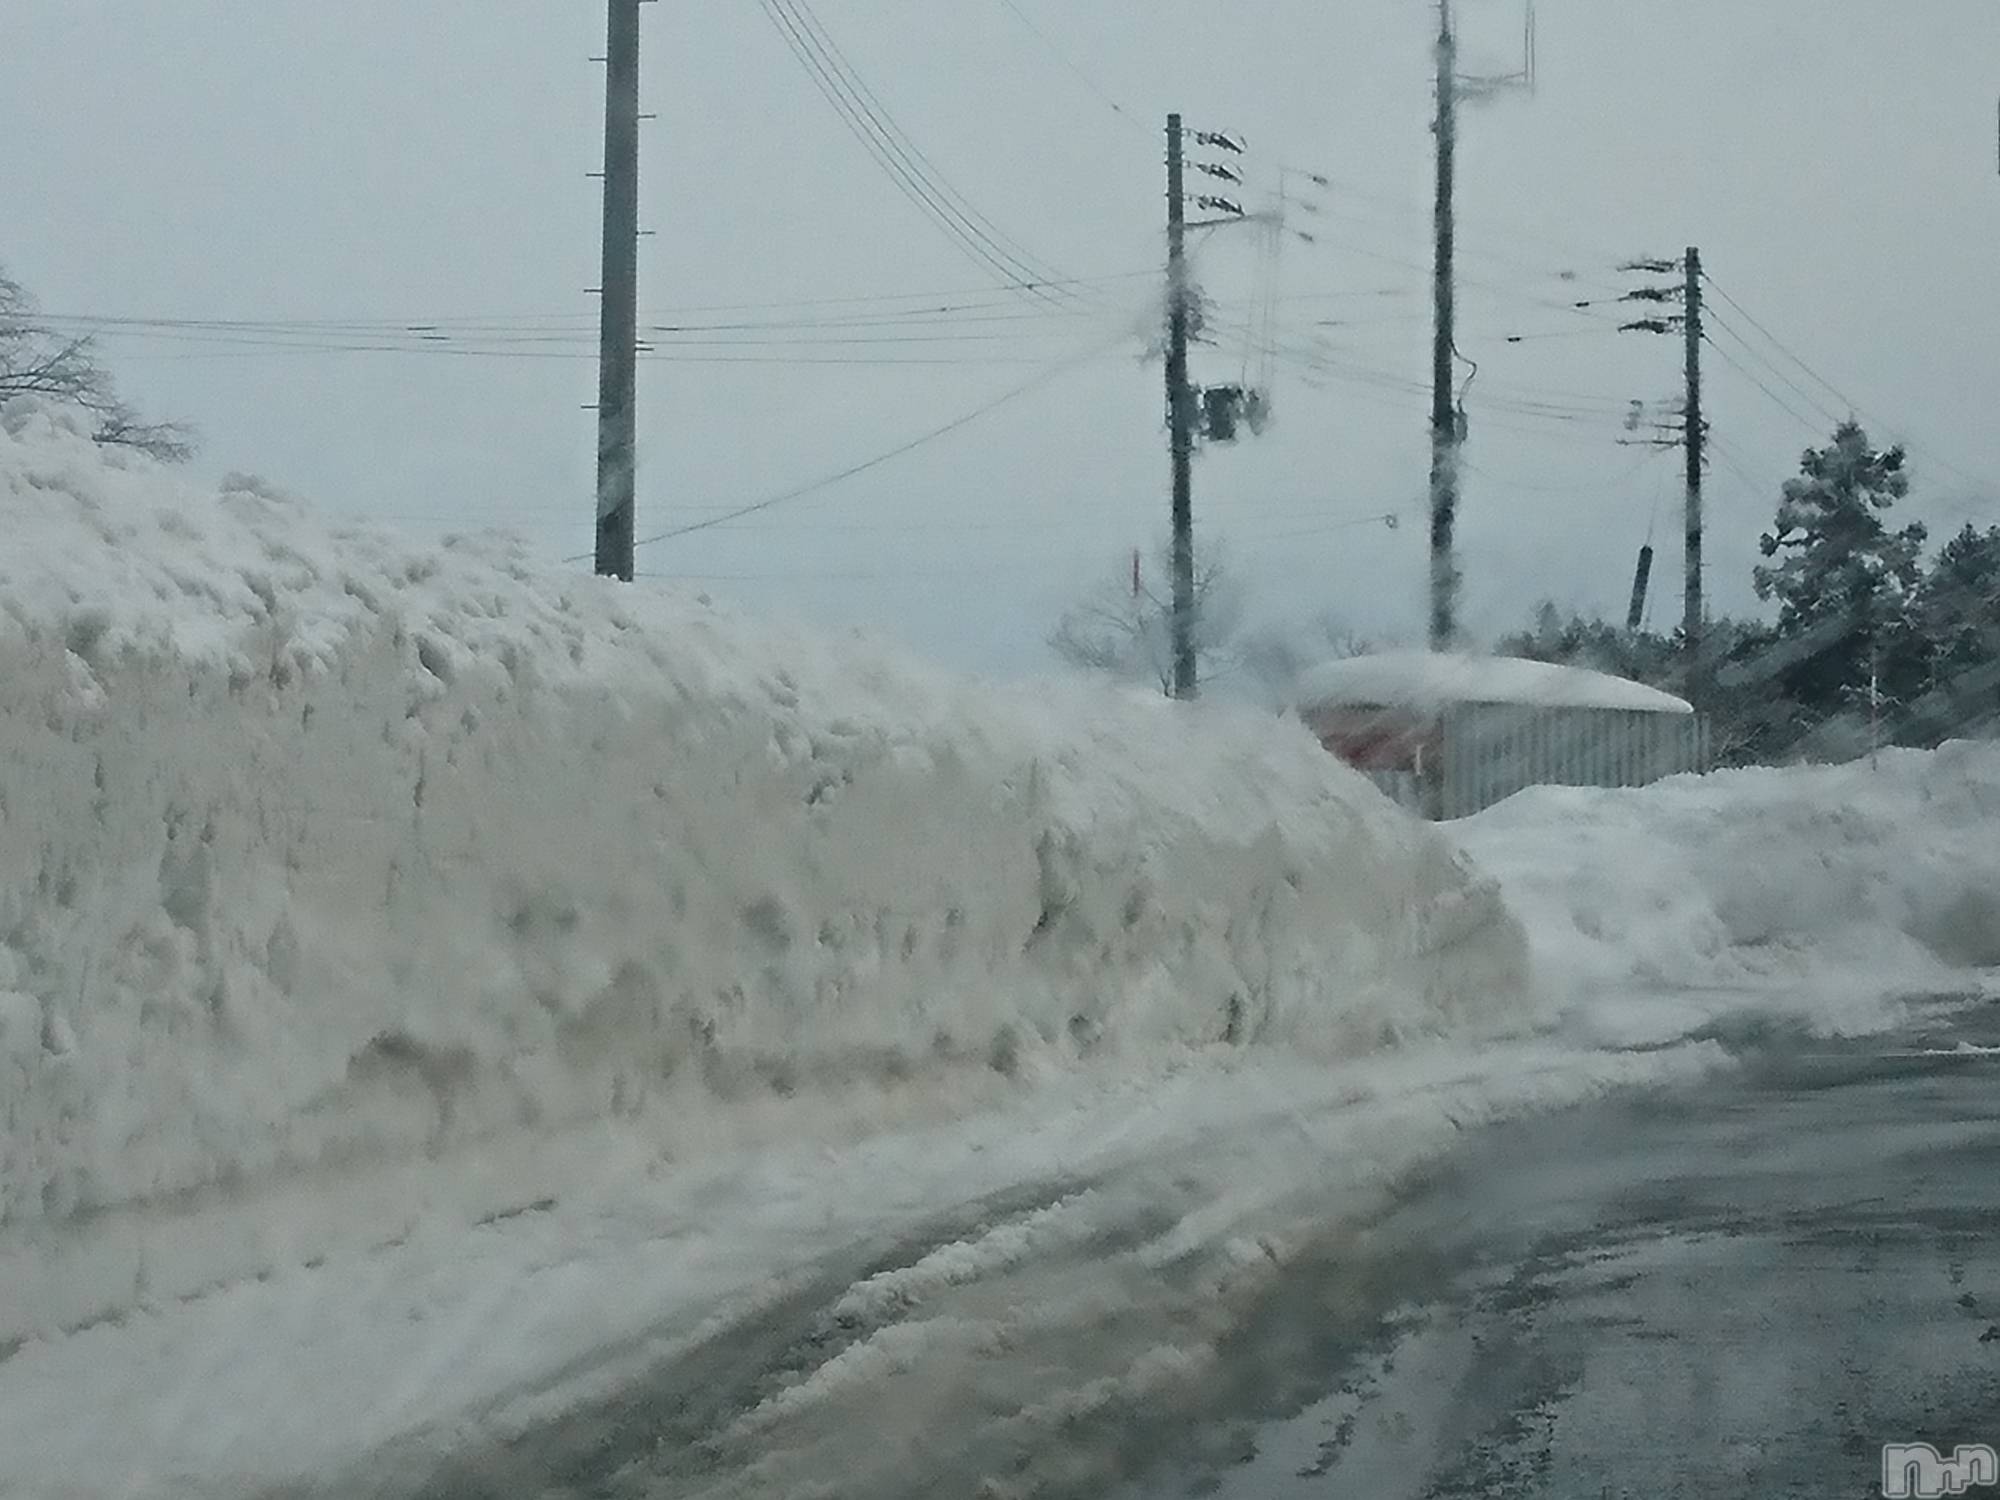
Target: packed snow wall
318	849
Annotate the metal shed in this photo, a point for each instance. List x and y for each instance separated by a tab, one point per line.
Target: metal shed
1448	735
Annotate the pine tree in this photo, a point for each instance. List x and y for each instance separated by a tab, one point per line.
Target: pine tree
1958	615
1959	603
1845	583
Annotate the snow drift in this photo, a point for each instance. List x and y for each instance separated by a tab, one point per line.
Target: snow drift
317	850
1831	889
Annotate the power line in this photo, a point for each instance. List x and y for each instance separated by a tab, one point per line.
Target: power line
856	341
1422	212
1566	333
1780	402
851	471
1076	68
1526	401
1580	307
1596	485
931	325
1833	417
908	167
1406	396
1055	283
963	315
1042	274
793	358
853	575
541	322
875	138
1778	344
1733	461
967	335
1389	519
1852	405
1039	273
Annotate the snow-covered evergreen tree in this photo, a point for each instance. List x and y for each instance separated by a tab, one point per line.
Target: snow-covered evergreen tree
1844	582
1958	613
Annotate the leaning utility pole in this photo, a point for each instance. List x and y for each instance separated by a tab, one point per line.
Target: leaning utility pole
1180	417
618	356
1444	410
1642	578
1692	621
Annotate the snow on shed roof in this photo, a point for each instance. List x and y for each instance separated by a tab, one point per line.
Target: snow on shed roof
1423	679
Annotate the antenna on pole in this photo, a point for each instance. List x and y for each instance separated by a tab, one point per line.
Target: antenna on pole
1486	85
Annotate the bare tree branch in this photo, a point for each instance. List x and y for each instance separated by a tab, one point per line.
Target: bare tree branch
37	361
1126	633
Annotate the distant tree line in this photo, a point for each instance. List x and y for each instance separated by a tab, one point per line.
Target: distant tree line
1873	643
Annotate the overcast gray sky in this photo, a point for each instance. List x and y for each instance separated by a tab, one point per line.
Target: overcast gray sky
423	161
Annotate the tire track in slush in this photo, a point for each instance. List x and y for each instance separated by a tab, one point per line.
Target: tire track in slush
662	1428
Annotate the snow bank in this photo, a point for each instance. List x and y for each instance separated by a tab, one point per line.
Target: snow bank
1431	681
318	851
1829	889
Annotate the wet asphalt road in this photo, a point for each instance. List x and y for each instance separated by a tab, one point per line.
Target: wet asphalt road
1740	1287
1744	1289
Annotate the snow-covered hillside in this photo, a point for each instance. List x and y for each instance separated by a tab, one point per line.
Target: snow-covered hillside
319	852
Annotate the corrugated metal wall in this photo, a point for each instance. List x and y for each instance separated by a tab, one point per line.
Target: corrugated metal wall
1492	751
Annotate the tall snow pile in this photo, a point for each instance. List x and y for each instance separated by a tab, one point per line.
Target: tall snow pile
1839	886
317	850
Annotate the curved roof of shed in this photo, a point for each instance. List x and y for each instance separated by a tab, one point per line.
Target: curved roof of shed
1427	680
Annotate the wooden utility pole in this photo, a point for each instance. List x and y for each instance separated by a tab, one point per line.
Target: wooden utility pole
1692	619
1180	416
618	355
1444	409
1693	436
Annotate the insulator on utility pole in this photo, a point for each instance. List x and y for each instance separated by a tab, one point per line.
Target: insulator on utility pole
618	351
1180	417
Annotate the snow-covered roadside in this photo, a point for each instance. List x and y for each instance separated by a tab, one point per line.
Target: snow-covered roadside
328	862
455	1336
432	990
1826	895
